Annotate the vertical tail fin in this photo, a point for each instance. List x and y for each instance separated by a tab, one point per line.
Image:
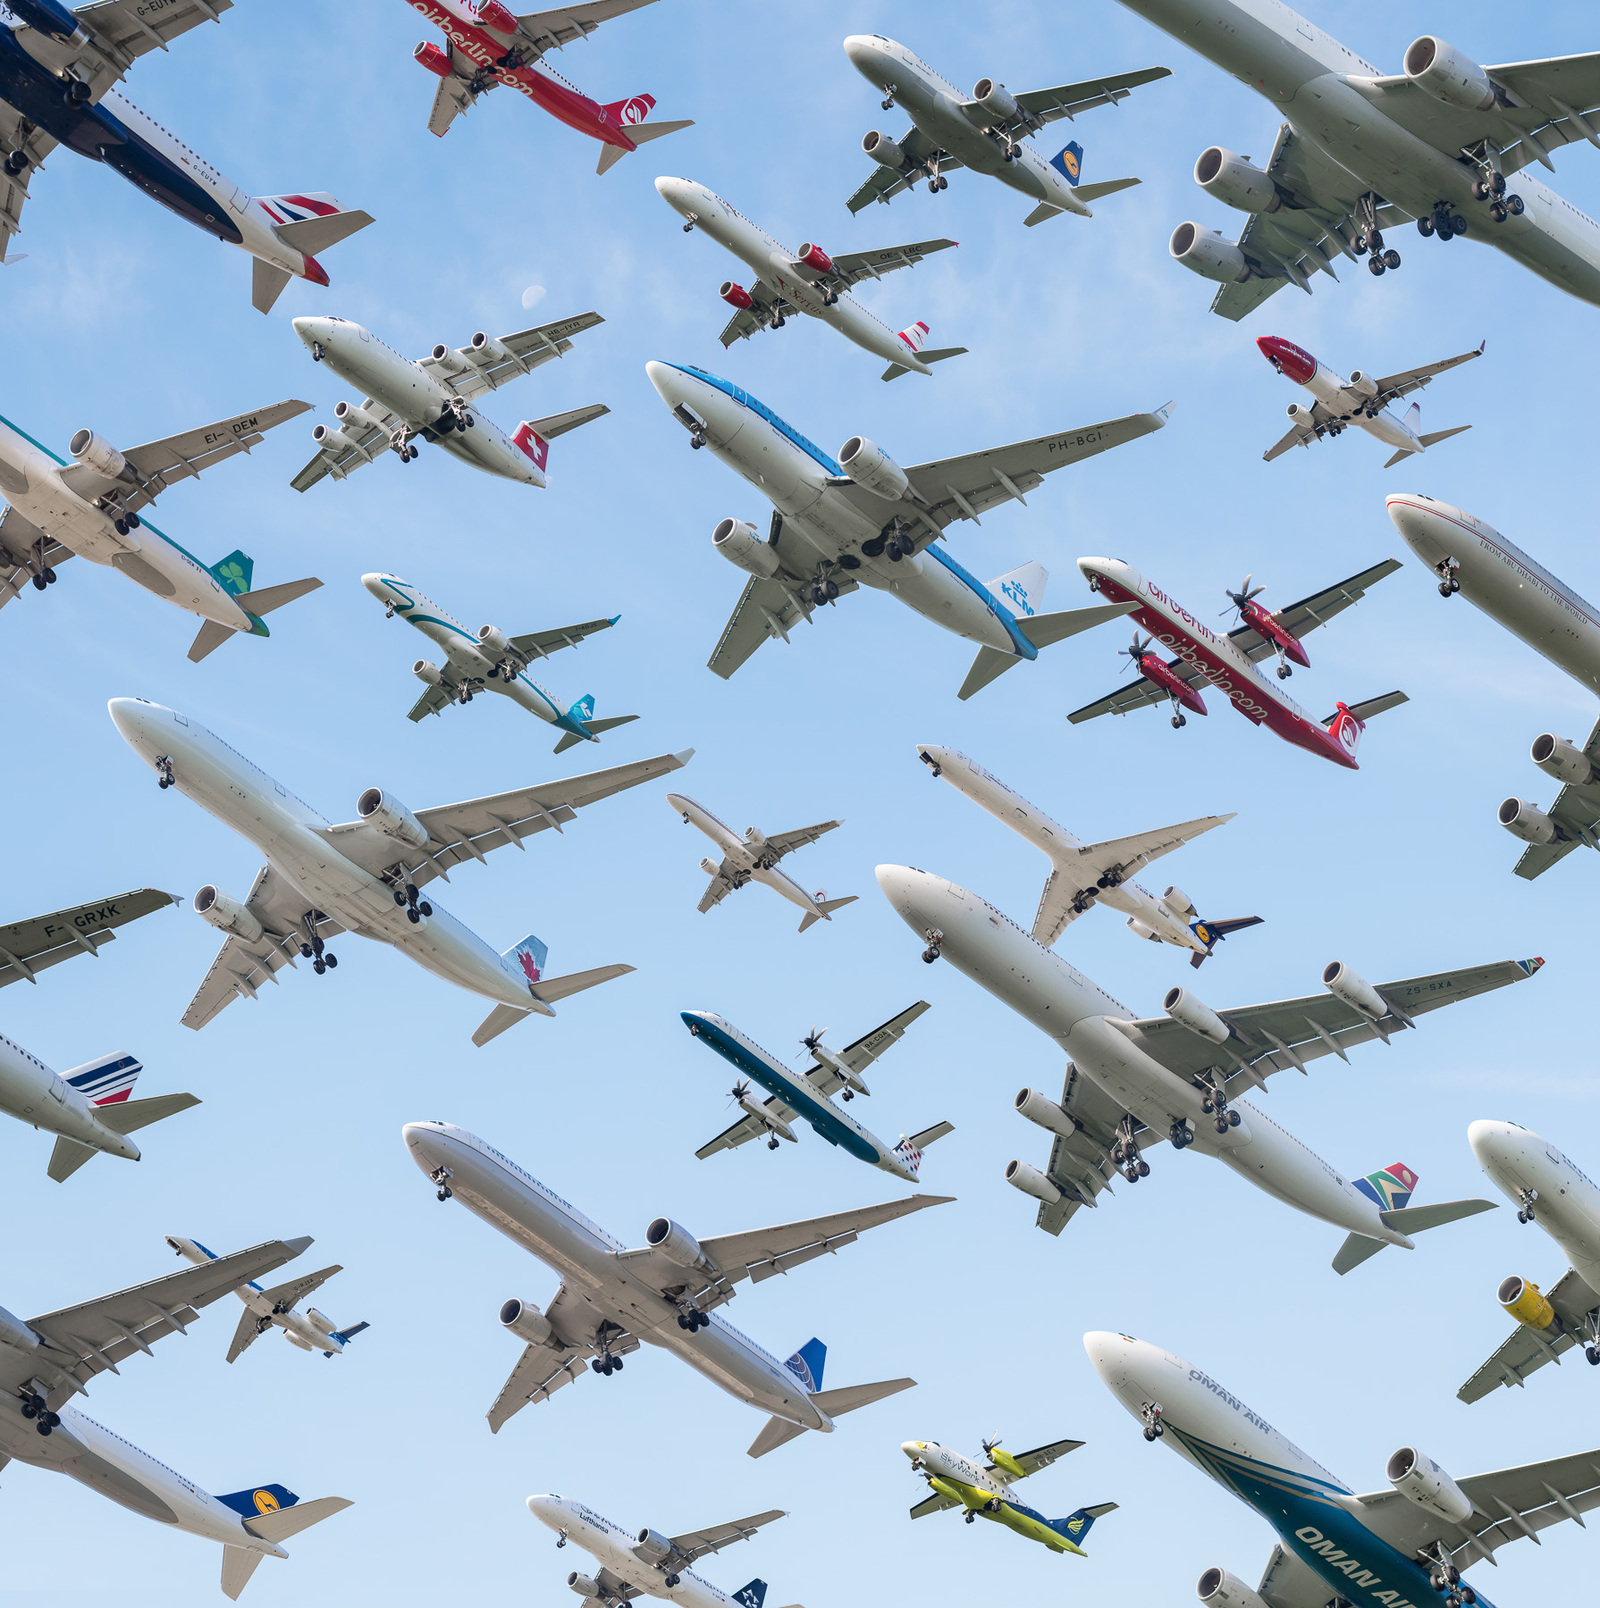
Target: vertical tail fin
533	444
531	953
1389	1189
1023	587
751	1595
583	710
807	1364
234	572
1077	1525
915	335
107	1080
1068	162
1346	730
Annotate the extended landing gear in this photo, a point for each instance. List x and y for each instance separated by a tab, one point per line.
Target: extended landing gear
889	91
16	164
77	93
671	1580
968	1517
607	1364
1444	1577
1526	1198
772	1144
164	775
1177	721
824	591
416	908
777	321
1501	205
123	523
1150	1416
1125	1153
1178	1135
316	351
33	1406
43	575
321	958
1285	669
693	1319
1448	584
442	1176
830	298
935	938
400	445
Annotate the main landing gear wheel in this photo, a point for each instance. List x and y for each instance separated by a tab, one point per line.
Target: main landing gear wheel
1424	227
967	1518
77	93
15	164
1284	672
1592	1353
1177	721
772	1144
39	583
672	1580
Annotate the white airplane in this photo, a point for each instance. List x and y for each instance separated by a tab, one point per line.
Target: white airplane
612	1299
986	133
28	947
1363	151
1384	1549
275	1308
91	507
1177	1078
808	1096
48	1360
363	876
491	660
806	281
754	858
58	66
864	521
1361	400
433	399
1084	874
648	1564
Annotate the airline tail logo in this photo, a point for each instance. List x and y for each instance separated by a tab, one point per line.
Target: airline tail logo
234	572
909	1154
534	445
583	709
1346	731
807	1363
1069	162
1391	1188
531	954
107	1081
297	208
752	1595
915	335
631	111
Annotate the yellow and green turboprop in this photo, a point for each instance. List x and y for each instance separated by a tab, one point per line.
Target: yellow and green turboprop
959	1482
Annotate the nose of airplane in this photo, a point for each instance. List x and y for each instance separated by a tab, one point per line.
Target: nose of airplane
546	1509
1488	1139
422	1140
913	1449
667	380
312	330
378	585
1414	516
863	50
675	192
1286	357
133	718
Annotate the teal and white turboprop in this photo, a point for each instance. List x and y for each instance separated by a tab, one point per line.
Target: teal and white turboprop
490	660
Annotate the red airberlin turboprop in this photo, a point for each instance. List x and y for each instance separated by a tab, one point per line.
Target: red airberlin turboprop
1268	626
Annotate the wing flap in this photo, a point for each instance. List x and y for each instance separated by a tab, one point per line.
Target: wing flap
42	941
696	1544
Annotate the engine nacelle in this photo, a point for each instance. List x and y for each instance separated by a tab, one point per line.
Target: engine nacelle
1362	384
226	914
676	1243
320	1321
1225	175
1419	1479
1526	1303
1219	1589
1555	756
427	670
1031	1182
449	359
1040	1108
739	544
1193	1014
1527	821
1178	902
1440	70
735	295
812	256
95	452
51	18
435	60
352	416
1139	930
526	1322
15	1333
391	817
296	1341
491	14
1353	989
332	439
493	641
996	100
652	1546
1298	410
582	1584
873	469
485	349
883	149
1205	252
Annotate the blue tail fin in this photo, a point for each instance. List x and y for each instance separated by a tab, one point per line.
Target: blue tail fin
583	710
751	1596
258	1499
531	952
807	1363
235	571
344	1336
1391	1188
1076	1526
1068	162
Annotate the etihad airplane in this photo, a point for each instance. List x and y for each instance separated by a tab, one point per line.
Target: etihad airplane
1229	662
1085	874
1384	1549
486	46
664	1293
1177	1078
862	520
432	400
1364	151
986	133
58	69
46	1361
363	876
27	947
491	661
806	281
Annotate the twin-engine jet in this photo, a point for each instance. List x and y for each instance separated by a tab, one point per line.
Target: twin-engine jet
492	661
986	133
364	876
486	46
27	947
432	399
664	1293
58	69
806	281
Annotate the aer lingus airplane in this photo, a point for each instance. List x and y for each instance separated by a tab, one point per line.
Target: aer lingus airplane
363	876
28	947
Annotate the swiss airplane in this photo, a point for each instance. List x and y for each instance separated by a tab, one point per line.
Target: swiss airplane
1229	662
486	45
1361	400
27	947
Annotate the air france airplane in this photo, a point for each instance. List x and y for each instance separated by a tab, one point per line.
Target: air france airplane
29	946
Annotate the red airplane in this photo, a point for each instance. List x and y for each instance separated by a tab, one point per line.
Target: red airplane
1268	625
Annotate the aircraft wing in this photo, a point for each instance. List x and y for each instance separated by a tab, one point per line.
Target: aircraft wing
1310	612
1576	811
18	133
782	843
436	697
766	608
1040	106
1524	1349
1040	1457
1137	694
1081	1167
367	444
1299	433
250	1329
884	184
542	1370
19	539
456	93
523	353
541	644
29	946
870	1046
121	31
548	30
852	267
285	1297
746	1129
1289	1583
1394	386
698	1544
933	1504
720	886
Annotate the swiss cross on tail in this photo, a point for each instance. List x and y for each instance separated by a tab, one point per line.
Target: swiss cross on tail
534	445
1389	1189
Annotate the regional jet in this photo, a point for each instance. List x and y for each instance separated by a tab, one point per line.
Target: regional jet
665	1292
363	876
28	947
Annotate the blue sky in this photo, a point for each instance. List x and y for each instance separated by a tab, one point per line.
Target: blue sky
123	318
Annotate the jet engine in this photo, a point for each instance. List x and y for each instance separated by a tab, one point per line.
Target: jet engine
1199	1018
1031	1182
331	438
427	670
390	816
873	469
493	641
676	1243
1298	410
1555	756
653	1547
295	1340
1139	930
815	258
1040	1108
1230	179
1440	70
449	359
16	1334
1206	253
1419	1479
735	295
226	914
435	60
1362	383
739	544
95	452
1219	1589
883	149
996	100
1527	821
583	1585
491	14
485	349
1178	902
1526	1303
351	416
320	1321
526	1322
1354	990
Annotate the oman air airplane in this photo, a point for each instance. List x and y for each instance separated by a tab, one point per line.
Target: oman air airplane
664	1293
1084	874
862	520
46	1361
491	660
806	281
91	506
58	67
432	399
1404	1547
986	133
27	947
364	876
1177	1078
808	1096
1229	662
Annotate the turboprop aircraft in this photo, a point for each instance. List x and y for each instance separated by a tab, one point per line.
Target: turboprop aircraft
1385	1549
46	1361
1177	1077
275	1308
1364	151
808	1096
363	876
491	660
806	281
486	45
58	67
1229	662
865	521
612	1299
91	506
986	1488
648	1564
1361	400
28	947
432	399
985	133
1086	873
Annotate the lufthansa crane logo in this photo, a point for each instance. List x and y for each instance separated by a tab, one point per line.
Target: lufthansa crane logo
265	1502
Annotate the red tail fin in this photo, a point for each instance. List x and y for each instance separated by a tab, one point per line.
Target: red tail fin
635	109
1346	730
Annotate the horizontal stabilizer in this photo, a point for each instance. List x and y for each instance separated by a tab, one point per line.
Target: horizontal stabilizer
560	423
595	727
131	1115
639	133
239	1563
496	1022
1355	1250
1044	630
937	355
1093	192
1442	435
268	598
1041	212
211	637
921	1141
836	1403
67	1157
827	907
266	286
282	1523
775	1432
991	662
1416	1219
1375	706
311	235
550	989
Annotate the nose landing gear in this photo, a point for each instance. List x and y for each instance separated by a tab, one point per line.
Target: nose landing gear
164	774
442	1176
1150	1416
1526	1198
1446	569
935	938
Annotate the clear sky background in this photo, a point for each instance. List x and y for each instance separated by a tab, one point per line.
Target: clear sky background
123	318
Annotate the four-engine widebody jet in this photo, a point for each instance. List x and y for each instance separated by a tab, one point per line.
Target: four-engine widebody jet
364	876
987	133
432	398
58	69
27	947
663	1293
